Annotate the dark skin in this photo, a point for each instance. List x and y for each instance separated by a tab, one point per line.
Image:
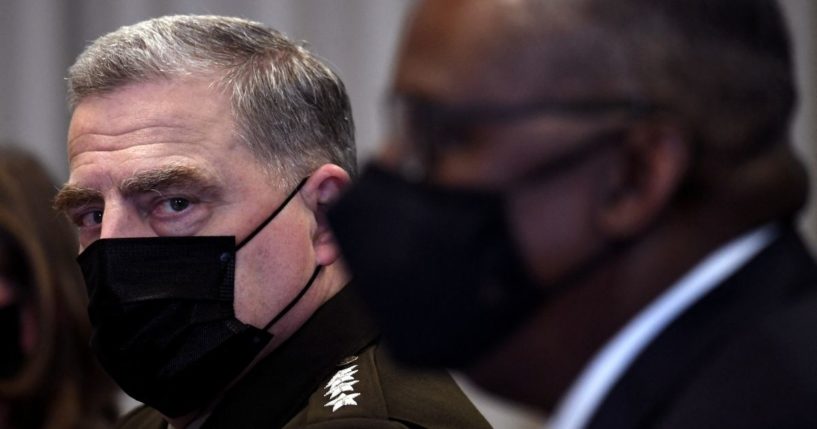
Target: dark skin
626	191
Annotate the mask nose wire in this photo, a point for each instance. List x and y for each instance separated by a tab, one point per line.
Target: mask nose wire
272	216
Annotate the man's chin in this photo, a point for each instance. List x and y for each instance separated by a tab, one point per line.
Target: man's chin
500	376
513	369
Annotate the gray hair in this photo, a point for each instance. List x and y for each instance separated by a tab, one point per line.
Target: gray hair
290	108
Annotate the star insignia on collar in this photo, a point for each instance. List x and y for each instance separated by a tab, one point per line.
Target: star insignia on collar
341	383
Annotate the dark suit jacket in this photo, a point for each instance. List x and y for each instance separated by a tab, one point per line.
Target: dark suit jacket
745	356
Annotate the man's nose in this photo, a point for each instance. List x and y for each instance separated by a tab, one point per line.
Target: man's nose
123	221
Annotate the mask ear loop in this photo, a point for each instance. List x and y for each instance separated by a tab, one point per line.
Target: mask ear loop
295	299
272	216
258	229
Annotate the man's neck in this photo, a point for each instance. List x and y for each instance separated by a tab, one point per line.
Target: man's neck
617	354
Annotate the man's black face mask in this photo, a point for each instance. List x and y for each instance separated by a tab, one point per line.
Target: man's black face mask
439	266
163	317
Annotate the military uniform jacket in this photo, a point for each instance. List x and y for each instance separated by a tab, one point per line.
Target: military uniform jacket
333	374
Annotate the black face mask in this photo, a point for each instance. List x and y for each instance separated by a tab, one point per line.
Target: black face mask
438	267
163	317
11	353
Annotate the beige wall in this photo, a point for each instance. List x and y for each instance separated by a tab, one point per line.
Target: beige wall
803	19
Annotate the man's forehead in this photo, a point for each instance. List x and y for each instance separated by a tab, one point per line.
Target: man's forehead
173	102
141	133
152	118
497	51
442	41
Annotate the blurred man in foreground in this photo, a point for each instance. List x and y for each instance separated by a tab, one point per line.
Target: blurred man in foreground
203	152
588	207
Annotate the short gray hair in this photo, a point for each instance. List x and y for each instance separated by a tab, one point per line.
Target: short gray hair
290	108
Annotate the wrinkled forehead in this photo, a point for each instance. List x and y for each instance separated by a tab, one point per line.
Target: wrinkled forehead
503	51
160	110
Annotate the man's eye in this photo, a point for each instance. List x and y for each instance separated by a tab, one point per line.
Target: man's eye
172	206
178	204
90	219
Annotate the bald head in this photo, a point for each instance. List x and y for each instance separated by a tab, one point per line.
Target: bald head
498	51
684	54
719	71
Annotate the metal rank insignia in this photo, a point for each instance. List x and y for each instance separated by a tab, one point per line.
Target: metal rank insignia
341	390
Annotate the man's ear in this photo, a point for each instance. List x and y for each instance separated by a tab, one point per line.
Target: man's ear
323	188
651	164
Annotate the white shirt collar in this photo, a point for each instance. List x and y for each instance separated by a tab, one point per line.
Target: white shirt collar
601	373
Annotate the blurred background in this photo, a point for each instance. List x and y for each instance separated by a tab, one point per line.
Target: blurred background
39	39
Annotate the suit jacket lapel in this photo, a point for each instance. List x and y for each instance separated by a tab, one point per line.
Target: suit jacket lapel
648	387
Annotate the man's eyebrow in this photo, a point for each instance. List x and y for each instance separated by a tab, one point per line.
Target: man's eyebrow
72	196
158	179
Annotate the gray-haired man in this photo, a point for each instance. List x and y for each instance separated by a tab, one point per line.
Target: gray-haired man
203	152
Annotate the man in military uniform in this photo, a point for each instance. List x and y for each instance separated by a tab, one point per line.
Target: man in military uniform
203	152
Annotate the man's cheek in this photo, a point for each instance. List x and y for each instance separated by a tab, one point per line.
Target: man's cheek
550	230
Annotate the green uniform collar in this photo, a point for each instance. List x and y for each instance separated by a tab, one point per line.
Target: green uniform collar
278	386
